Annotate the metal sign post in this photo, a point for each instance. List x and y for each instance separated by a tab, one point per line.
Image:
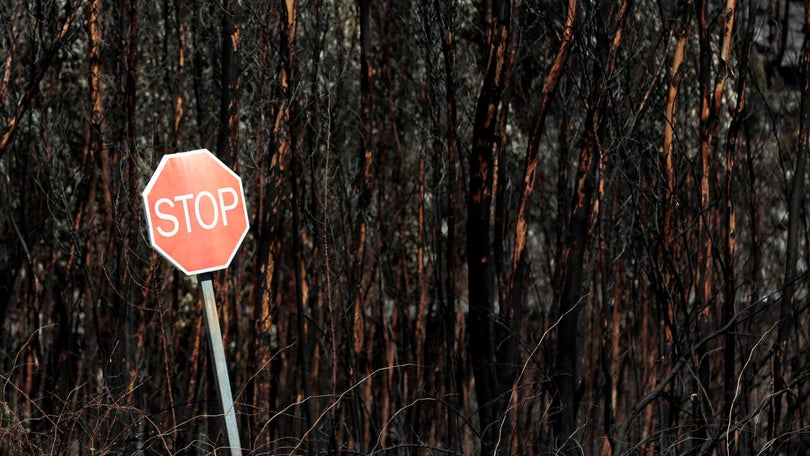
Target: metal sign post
220	367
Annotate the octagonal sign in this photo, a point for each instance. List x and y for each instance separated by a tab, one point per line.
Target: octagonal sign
195	211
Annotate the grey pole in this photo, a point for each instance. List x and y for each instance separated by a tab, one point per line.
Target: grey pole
220	367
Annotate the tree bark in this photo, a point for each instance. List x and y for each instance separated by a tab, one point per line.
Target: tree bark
708	125
480	268
670	251
451	361
729	269
519	262
568	369
787	303
364	185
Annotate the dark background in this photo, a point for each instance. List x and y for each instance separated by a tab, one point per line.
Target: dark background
489	226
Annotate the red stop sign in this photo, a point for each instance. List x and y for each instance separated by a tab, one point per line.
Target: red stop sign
195	211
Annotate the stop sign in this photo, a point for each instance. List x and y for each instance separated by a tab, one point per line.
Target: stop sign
195	211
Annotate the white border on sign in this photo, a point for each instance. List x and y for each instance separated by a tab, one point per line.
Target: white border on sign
151	183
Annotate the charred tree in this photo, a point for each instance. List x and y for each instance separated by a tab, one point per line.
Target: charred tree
481	343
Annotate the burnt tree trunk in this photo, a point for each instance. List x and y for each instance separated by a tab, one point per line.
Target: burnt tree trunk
481	344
